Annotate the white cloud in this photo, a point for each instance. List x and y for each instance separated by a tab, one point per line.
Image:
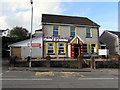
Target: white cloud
18	13
84	12
101	30
111	26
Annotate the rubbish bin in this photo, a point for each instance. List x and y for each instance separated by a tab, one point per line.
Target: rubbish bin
12	60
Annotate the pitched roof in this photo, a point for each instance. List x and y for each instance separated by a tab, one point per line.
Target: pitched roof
49	18
75	38
115	32
21	43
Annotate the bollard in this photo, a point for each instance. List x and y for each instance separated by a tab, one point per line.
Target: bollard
92	63
80	61
48	59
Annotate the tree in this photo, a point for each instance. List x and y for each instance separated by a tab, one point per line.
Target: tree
19	33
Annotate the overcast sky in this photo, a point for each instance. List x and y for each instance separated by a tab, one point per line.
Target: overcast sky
18	12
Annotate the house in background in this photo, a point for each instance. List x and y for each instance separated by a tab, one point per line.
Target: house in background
112	41
69	36
38	32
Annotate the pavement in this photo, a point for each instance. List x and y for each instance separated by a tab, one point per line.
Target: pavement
55	69
50	69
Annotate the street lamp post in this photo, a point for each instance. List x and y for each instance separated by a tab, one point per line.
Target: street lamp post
31	32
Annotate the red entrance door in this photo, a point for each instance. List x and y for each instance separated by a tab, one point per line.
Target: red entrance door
76	49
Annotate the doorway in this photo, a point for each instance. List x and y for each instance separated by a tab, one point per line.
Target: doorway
77	49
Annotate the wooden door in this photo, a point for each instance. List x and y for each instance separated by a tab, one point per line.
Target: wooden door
16	51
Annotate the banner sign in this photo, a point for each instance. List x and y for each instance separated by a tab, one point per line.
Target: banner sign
34	44
55	39
103	51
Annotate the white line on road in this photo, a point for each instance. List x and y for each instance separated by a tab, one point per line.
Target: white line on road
26	79
1	74
97	78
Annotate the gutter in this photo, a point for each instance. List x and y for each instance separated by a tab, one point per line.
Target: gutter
71	24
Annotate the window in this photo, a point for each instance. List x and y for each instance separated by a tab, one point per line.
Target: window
50	48
85	48
93	48
72	31
103	47
88	32
56	30
61	48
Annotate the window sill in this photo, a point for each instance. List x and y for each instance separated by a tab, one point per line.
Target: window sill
61	53
56	36
88	37
51	54
94	53
72	36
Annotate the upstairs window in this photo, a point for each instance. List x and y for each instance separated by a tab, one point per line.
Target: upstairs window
72	31
88	32
56	31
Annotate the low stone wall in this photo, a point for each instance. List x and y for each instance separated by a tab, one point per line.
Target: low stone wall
107	64
63	64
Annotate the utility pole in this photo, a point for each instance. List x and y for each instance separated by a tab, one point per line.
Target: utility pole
31	33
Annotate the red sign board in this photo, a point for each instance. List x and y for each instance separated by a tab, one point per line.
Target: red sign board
34	44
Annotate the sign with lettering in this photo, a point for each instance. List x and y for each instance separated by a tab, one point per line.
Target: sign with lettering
55	39
34	44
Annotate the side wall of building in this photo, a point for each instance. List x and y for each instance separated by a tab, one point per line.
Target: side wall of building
36	52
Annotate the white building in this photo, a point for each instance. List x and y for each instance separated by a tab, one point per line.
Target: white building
22	49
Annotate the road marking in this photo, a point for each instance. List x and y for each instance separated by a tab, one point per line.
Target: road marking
82	76
26	79
7	76
96	78
7	71
44	73
1	74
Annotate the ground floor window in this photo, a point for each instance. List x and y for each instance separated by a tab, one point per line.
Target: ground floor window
50	48
93	48
61	48
55	48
